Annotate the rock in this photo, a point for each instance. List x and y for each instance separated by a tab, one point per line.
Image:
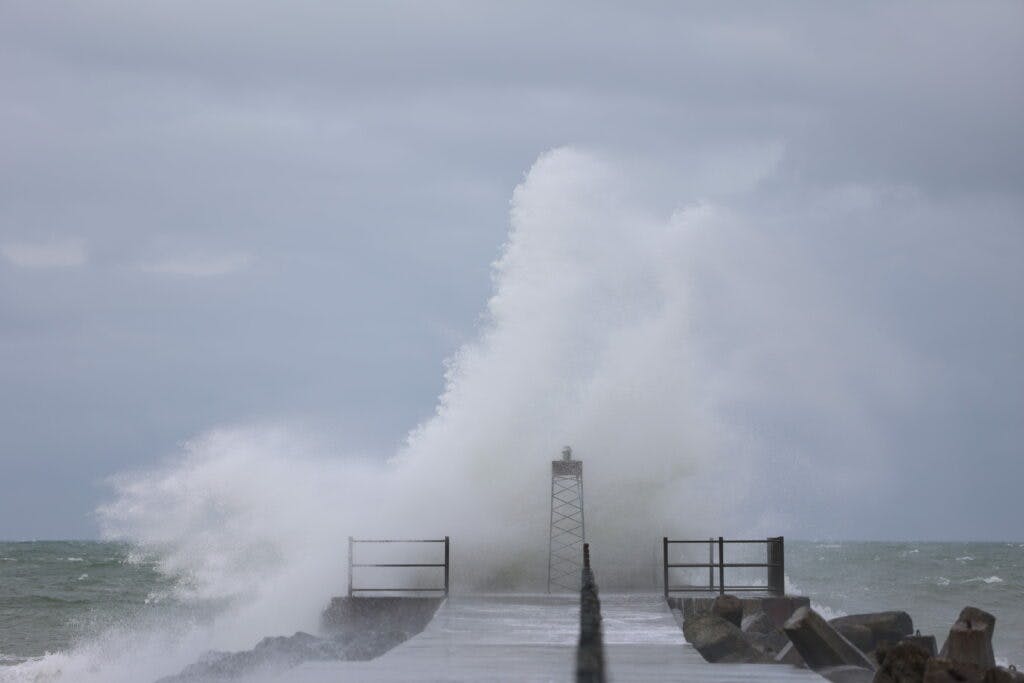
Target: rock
763	635
820	645
902	663
940	670
778	607
970	639
270	654
889	627
729	608
926	643
718	640
998	674
861	636
847	674
790	655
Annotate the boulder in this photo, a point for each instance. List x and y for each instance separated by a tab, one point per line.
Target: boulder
778	607
999	674
718	640
940	670
902	663
888	627
926	643
970	639
858	634
820	645
763	635
729	608
790	655
847	674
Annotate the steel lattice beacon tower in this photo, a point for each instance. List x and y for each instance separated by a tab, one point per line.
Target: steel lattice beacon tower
565	546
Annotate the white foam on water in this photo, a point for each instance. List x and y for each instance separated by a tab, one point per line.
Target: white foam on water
984	579
822	609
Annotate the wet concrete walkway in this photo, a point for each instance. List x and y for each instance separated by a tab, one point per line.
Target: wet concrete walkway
533	638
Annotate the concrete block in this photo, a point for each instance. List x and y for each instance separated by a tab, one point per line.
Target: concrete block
820	645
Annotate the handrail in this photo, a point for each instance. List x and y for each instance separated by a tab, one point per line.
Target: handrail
352	564
775	565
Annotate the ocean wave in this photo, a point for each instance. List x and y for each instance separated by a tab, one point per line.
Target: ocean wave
984	579
942	581
827	612
20	601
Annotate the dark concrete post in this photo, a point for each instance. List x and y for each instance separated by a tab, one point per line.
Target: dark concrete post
590	651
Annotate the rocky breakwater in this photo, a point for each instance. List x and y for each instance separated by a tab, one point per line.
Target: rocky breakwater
351	629
879	647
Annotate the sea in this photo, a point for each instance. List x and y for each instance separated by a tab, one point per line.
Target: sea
59	598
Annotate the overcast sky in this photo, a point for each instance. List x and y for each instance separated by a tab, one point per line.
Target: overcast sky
228	212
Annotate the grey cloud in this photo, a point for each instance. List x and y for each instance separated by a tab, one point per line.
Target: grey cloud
362	157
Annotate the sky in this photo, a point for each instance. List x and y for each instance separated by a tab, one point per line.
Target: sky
232	213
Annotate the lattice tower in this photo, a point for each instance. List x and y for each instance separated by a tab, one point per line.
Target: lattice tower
565	545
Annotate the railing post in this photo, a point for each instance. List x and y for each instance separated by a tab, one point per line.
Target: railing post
781	569
446	565
350	566
721	565
711	564
664	562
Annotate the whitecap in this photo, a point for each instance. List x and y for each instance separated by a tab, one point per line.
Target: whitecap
984	579
942	581
827	612
965	558
74	559
83	577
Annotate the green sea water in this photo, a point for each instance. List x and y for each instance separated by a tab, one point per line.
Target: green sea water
58	596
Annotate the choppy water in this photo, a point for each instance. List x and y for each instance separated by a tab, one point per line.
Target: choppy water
54	594
931	581
60	596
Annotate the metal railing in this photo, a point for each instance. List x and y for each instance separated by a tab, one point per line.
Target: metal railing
775	564
353	565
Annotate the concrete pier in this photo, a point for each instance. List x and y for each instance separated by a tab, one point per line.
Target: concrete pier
533	638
